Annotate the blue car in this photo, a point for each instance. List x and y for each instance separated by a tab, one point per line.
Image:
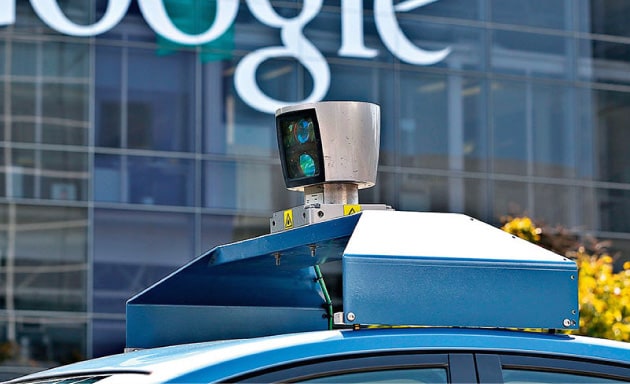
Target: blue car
440	355
412	311
351	293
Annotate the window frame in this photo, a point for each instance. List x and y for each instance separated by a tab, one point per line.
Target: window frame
490	366
460	367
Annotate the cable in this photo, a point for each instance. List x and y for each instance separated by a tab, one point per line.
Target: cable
327	300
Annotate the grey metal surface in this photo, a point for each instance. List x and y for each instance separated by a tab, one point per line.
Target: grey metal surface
316	213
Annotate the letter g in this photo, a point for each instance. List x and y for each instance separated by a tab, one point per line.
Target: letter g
295	45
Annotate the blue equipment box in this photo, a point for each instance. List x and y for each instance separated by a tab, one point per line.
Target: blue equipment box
442	269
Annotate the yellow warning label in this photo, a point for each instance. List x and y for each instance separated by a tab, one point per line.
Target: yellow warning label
288	219
350	209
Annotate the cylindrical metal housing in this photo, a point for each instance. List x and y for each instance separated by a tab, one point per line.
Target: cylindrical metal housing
350	138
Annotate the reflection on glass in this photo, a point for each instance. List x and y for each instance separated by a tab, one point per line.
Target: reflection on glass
531	376
160	181
47	264
509	127
417	375
531	54
554	14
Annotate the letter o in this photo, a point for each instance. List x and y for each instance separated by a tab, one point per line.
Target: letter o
50	13
156	16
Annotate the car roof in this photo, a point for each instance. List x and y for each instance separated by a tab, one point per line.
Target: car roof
220	360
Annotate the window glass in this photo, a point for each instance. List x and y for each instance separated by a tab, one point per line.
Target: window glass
555	14
423	193
604	61
134	249
509	127
108	96
65	114
357	83
23	58
420	375
607	17
2	57
611	112
48	256
57	175
246	186
65	132
461	9
554	132
108	335
376	368
535	123
466	44
470	140
284	79
23	99
67	102
144	180
160	104
614	208
386	190
224	229
531	54
107	178
23	130
66	60
64	175
442	122
417	192
45	341
423	117
586	134
509	198
160	181
531	376
217	109
552	202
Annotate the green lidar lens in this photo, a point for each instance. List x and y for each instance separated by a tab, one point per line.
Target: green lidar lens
298	136
307	165
304	130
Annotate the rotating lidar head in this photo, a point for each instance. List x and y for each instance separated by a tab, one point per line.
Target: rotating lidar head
329	150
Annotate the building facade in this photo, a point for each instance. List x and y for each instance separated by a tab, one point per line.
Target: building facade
135	137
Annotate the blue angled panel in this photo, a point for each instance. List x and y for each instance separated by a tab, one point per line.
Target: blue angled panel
240	290
411	268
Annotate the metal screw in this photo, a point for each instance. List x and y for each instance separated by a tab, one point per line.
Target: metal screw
276	255
566	322
351	316
572	277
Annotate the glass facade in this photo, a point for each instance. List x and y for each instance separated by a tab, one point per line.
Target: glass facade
124	154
